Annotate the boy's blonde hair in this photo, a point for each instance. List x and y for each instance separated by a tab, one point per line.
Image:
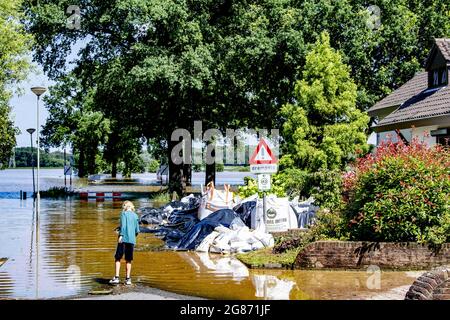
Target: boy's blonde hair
128	206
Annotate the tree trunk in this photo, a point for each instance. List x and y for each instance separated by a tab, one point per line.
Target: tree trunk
187	174
81	165
210	174
114	168
175	171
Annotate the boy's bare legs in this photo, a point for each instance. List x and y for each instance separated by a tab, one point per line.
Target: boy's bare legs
128	269
117	268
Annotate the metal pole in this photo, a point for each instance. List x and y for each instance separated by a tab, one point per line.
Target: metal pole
65	179
38	162
264	208
32	166
38	206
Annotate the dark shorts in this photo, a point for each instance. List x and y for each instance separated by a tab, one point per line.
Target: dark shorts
124	248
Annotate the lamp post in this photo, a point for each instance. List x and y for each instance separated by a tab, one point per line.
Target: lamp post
38	91
31	131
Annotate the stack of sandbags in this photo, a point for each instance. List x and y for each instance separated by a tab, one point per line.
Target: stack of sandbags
236	239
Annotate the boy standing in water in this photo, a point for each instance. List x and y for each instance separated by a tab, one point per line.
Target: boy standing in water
129	229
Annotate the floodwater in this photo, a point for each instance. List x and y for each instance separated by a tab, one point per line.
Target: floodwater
75	255
14	180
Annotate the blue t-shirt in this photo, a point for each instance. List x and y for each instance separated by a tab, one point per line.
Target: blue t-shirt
129	226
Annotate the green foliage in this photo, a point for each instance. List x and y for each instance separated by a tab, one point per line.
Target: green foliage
8	135
326	188
400	194
153	166
161	198
55	192
220	167
14	65
250	188
263	257
293	181
324	129
47	159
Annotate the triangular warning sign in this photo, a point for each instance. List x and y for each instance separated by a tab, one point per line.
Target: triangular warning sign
262	154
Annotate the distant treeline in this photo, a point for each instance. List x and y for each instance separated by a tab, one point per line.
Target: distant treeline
25	158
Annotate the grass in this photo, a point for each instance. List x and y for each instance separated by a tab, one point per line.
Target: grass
55	192
262	258
162	197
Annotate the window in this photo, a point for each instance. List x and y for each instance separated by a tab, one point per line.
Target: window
443	140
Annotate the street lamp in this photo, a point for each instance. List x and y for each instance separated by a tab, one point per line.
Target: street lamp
31	131
38	91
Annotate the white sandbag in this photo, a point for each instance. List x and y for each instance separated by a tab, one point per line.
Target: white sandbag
279	215
206	243
257	218
214	199
187	198
242	234
265	238
222	229
240	246
257	245
220	248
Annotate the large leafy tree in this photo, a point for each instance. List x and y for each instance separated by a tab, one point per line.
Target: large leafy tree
162	64
74	122
14	46
323	129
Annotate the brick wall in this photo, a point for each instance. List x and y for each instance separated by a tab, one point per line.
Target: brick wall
358	255
433	285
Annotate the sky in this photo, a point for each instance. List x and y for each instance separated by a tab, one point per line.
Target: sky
24	110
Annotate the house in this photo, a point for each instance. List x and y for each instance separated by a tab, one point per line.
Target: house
421	105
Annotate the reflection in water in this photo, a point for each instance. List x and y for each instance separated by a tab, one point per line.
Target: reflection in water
219	264
272	288
77	243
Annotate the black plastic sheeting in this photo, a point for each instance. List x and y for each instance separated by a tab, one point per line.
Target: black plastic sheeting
224	217
157	216
183	230
244	210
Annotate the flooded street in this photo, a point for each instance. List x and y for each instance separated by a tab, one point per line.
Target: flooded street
77	243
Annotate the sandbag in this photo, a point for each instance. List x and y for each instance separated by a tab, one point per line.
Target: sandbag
198	232
279	216
305	211
244	209
206	243
214	199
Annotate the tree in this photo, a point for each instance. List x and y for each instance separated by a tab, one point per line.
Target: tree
72	121
163	64
14	46
323	129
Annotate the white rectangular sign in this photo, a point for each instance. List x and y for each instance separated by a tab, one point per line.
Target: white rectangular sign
263	168
264	182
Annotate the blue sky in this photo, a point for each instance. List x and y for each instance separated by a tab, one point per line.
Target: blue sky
24	106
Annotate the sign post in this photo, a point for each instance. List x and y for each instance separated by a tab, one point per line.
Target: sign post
263	163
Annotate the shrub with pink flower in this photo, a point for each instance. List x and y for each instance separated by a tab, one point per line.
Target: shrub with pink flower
399	193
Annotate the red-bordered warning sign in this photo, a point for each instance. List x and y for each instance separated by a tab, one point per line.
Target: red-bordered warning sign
262	154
